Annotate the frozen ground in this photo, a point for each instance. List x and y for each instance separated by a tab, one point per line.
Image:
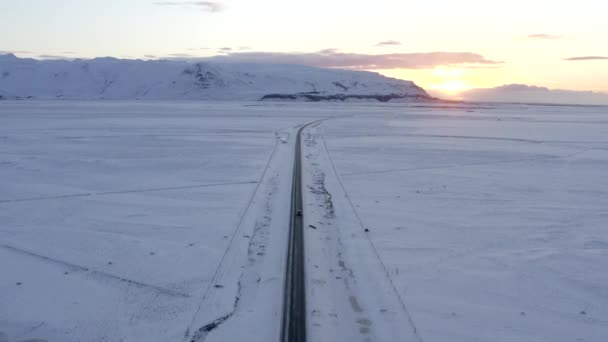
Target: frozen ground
491	223
115	216
167	221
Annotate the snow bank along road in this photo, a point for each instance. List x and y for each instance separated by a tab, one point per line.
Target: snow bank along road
123	221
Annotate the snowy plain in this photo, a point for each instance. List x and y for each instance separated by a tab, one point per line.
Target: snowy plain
491	222
166	221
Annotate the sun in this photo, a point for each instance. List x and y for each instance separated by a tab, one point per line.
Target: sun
444	81
449	81
451	86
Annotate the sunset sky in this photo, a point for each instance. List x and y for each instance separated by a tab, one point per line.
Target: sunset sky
441	44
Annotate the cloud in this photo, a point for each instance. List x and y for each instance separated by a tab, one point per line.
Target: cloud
329	58
522	93
207	6
329	51
16	52
586	58
181	55
544	36
389	43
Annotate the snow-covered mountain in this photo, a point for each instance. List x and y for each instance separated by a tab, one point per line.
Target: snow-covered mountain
117	79
522	93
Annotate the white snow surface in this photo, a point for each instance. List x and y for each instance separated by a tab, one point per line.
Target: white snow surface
153	221
119	79
491	222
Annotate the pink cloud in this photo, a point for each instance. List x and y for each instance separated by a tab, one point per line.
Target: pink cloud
333	59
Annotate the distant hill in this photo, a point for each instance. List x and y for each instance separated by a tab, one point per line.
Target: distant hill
118	79
522	93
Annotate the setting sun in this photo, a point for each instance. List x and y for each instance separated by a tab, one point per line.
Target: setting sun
451	86
449	81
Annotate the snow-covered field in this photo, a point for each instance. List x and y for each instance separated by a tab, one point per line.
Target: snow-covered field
115	216
492	222
126	221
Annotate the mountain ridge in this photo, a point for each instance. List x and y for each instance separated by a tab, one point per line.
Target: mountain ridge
110	78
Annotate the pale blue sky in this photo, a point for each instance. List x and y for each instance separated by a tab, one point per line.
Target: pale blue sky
496	30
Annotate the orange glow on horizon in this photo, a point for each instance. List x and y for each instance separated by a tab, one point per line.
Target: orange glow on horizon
450	80
451	86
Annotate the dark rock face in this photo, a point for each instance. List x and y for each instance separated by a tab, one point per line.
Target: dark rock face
342	97
341	86
203	77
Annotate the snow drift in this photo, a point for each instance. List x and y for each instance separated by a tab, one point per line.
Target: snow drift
118	79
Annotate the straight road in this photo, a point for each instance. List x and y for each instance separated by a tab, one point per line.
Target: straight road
294	303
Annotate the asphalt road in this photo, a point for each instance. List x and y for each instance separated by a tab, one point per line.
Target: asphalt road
294	303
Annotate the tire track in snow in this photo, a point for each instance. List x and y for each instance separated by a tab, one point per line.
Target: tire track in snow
97	273
500	162
121	192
